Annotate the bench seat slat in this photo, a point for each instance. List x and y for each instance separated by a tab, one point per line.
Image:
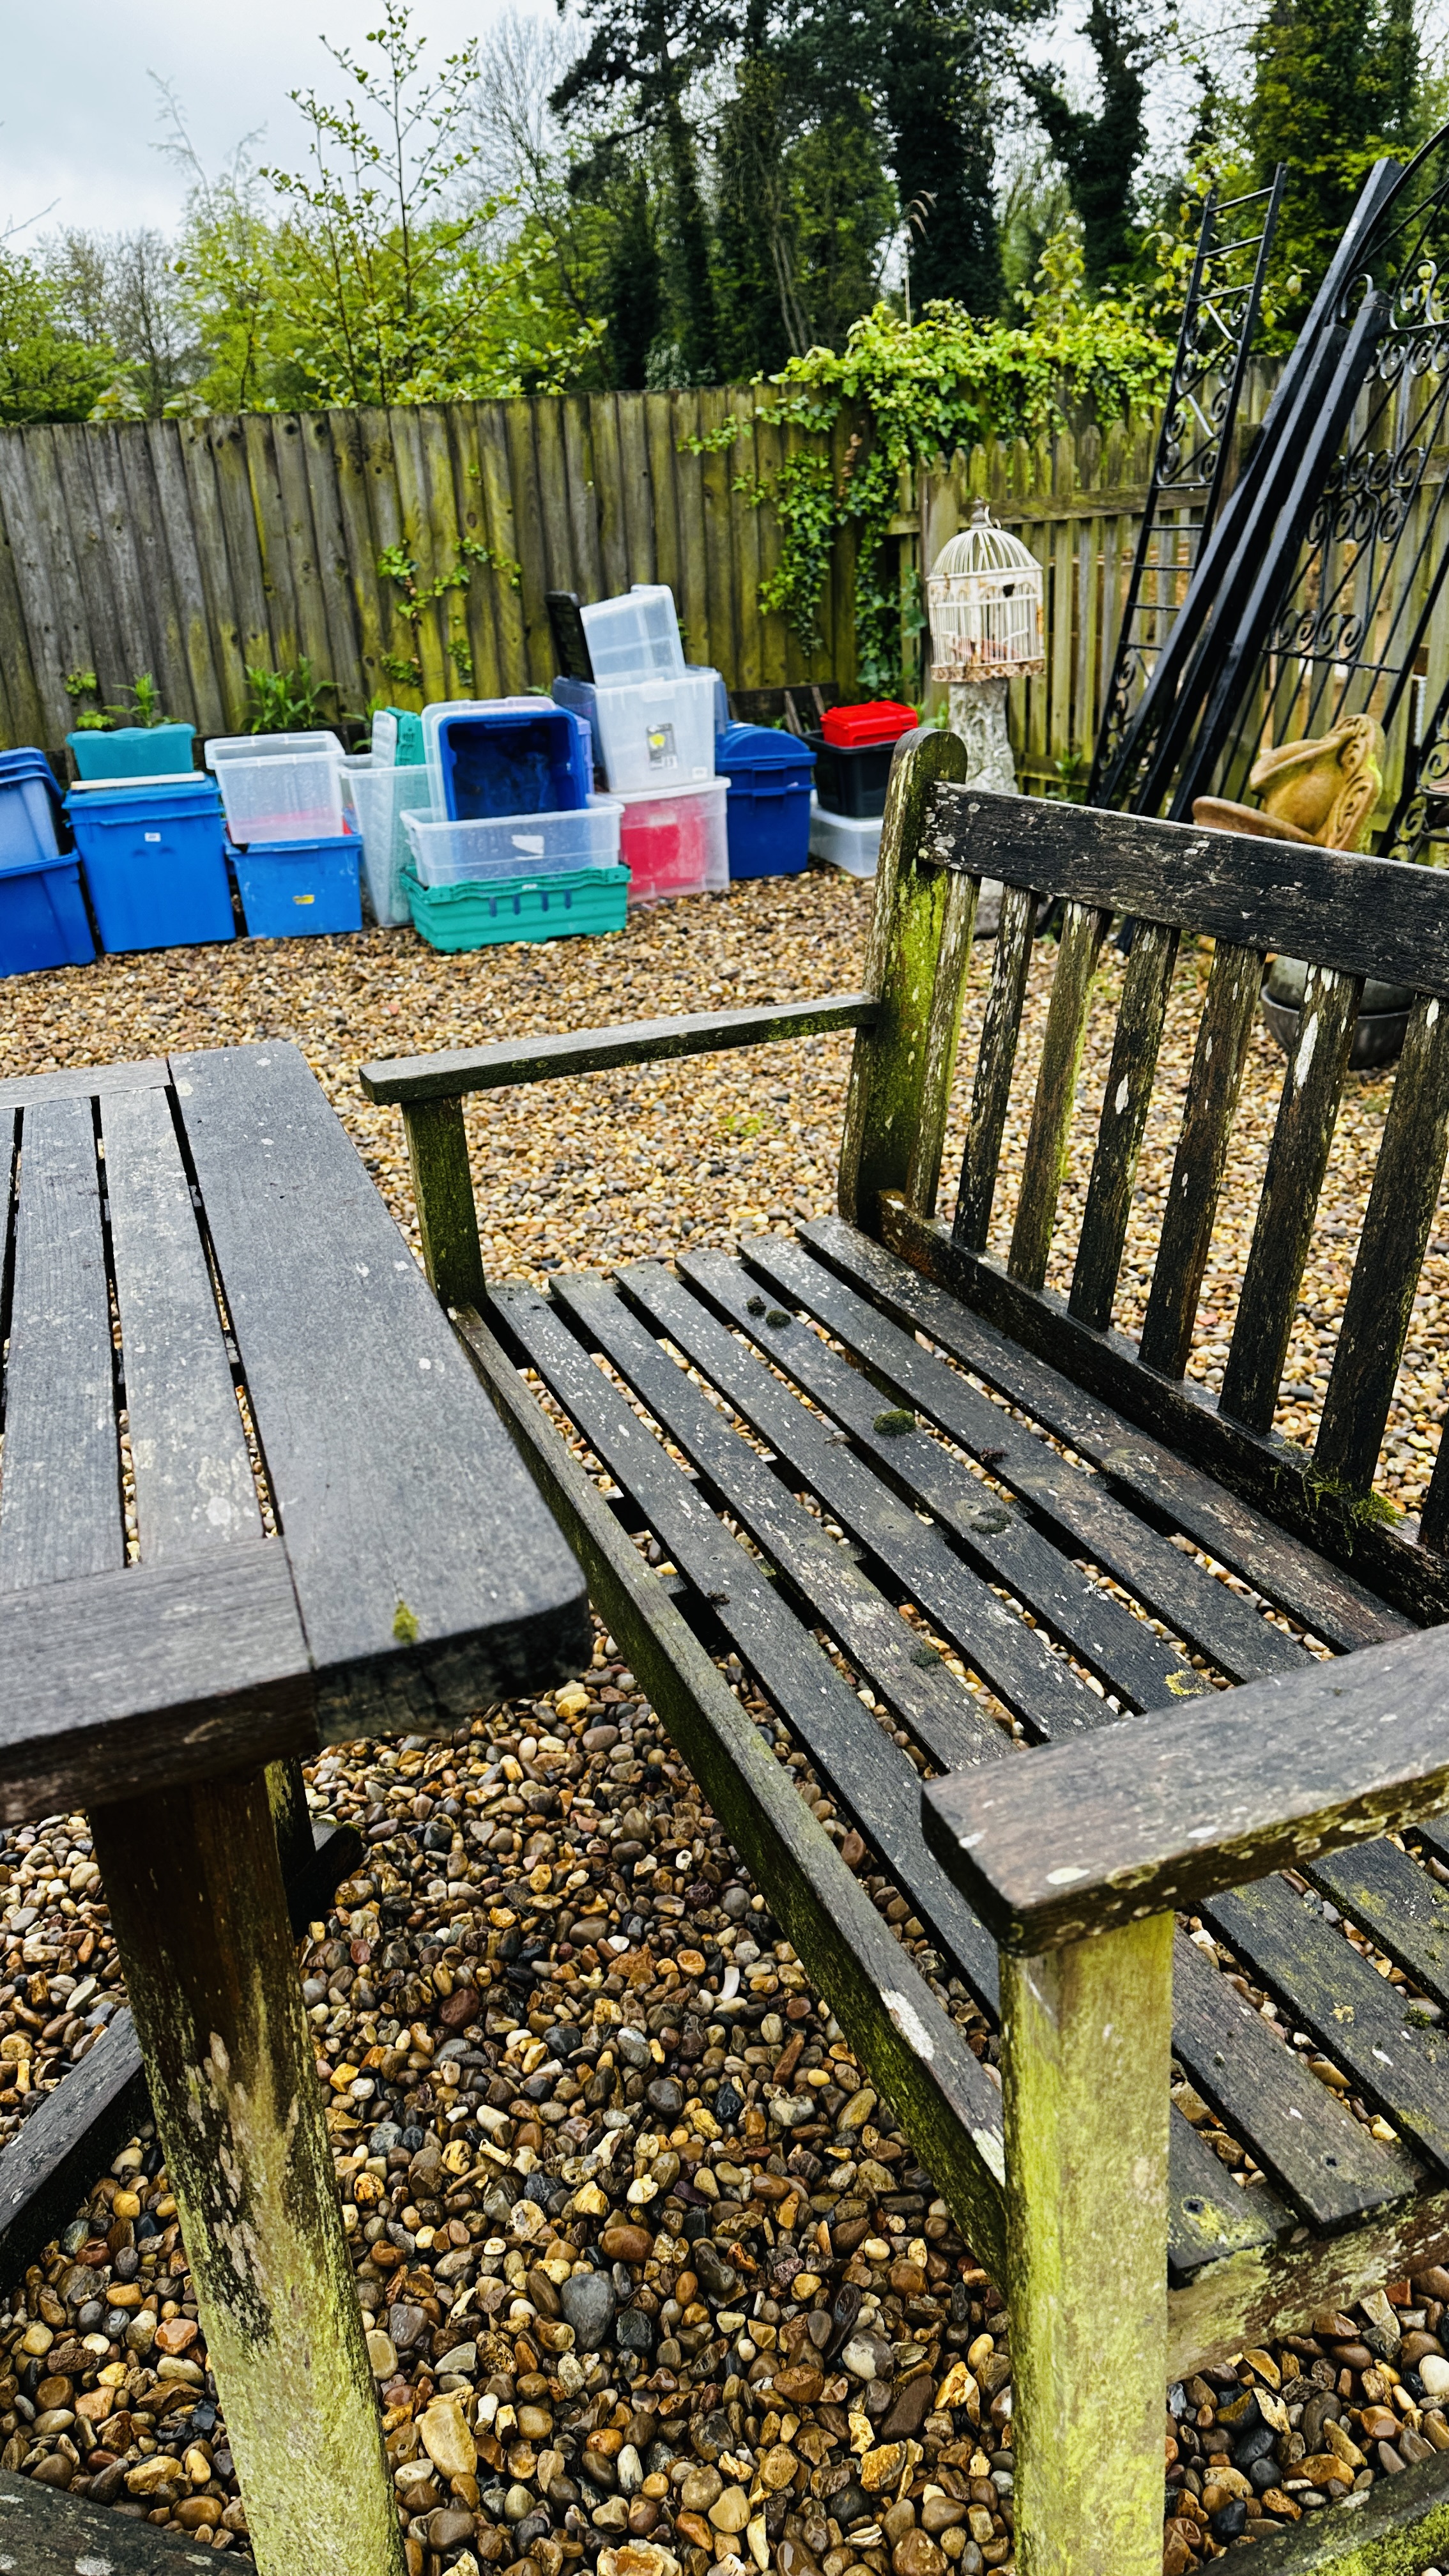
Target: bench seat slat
875	1781
1402	1909
937	1709
194	1483
1011	1657
1352	2013
1158	1481
1077	1510
60	1498
1220	1055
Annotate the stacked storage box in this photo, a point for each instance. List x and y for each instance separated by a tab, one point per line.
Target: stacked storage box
513	844
853	750
654	721
150	835
769	773
296	862
42	910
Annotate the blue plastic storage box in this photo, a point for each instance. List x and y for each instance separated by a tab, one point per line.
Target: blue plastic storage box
767	812
134	751
43	919
508	756
29	810
298	889
155	863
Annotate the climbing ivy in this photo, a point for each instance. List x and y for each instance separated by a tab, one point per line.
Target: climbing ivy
396	564
923	390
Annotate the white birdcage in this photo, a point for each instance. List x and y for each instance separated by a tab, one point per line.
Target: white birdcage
985	599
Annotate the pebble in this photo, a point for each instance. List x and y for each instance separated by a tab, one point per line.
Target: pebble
590	2304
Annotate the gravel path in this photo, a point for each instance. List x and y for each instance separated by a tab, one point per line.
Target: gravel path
654	2281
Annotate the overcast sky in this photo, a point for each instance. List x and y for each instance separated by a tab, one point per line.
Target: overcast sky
78	110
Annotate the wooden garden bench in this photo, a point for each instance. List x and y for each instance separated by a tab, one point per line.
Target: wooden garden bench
970	1443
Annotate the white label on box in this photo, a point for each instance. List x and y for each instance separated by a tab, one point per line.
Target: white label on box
151	836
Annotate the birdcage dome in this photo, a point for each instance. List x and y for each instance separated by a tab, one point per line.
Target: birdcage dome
985	602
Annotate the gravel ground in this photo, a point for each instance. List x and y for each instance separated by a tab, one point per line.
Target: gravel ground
622	2303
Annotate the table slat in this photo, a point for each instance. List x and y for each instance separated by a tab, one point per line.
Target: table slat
60	1499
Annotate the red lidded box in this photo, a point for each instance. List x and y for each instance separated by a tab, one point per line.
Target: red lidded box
879	720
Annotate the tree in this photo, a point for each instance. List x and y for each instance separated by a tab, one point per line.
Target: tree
1101	149
1335	83
47	371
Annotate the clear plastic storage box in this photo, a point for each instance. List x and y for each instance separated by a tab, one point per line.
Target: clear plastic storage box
648	733
519	847
847	841
380	798
675	840
279	786
636	636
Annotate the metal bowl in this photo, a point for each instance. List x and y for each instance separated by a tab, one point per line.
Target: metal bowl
1378	1036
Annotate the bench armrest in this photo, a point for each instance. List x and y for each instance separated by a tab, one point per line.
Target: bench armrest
403	1080
1160	1812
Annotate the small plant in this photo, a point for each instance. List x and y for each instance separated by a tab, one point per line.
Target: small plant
286	701
145	709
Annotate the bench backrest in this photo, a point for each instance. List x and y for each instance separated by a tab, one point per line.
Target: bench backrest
1351	919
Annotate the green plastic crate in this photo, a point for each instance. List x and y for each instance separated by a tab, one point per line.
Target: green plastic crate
485	916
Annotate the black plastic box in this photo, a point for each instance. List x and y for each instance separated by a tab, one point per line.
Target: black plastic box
852	782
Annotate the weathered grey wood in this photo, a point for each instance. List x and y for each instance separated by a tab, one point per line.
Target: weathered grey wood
1405	1193
453	1071
1145	989
1085	2052
197	1905
83	1082
46	2533
943	1028
1395	2529
443	1196
1263	1469
1011	1657
366	1406
1223	1037
1054	1105
60	1479
71	2136
1326	2162
995	1061
1080	1516
1157	1481
150	1674
1297	1161
1281	1771
950	2110
888	1068
193	1478
1403	1910
1360	916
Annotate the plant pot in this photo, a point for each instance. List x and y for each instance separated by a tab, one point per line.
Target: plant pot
1378	1036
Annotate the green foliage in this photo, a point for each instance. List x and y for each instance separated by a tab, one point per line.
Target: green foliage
286	701
1335	85
144	707
918	393
1100	149
418	596
47	371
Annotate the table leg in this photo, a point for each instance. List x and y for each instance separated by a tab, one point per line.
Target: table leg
195	1892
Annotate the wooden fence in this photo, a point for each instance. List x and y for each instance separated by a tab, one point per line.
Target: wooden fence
197	549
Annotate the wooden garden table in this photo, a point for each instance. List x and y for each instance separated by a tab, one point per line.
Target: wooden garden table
252	1501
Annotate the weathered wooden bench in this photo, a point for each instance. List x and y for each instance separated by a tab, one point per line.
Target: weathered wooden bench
884	1415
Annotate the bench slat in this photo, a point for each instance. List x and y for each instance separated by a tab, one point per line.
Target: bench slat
1012	1658
482	1581
194	1483
1209	2216
1405	1193
1297	1161
936	1708
1402	1909
1224	1035
83	1082
60	1500
1055	1101
1078	1512
1343	2004
995	1062
1135	1048
875	1781
1158	1481
1304	2138
456	1070
943	1025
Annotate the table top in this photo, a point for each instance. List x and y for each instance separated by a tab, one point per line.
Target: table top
252	1496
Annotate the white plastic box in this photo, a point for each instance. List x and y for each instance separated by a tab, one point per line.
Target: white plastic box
636	636
279	786
845	841
516	846
648	733
380	798
675	840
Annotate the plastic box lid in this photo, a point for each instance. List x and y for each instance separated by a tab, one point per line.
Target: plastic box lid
120	796
857	728
747	746
266	746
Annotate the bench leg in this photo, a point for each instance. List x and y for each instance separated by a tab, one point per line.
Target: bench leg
1086	2056
194	1886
